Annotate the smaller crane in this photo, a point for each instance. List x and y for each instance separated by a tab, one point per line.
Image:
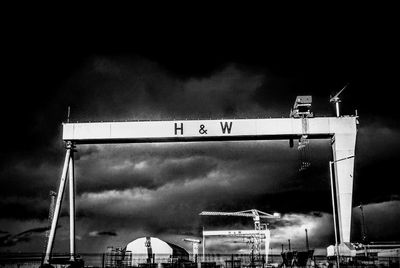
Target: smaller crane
195	244
53	196
256	215
253	213
335	99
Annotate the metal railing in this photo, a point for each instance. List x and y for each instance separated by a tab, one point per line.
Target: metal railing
107	260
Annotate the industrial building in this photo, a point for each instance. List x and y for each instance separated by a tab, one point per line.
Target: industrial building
155	250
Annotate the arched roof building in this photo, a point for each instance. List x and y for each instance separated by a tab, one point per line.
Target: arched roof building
144	247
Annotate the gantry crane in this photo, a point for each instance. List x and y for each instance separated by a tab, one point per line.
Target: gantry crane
342	130
256	215
253	213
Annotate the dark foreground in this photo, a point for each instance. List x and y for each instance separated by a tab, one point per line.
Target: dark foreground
104	260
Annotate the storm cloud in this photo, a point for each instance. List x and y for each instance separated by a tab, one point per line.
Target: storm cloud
25	236
159	189
102	233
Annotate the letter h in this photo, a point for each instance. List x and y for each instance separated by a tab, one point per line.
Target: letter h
178	128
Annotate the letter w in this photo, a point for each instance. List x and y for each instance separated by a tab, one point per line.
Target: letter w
225	127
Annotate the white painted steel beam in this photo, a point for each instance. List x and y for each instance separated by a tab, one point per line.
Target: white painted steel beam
197	130
233	232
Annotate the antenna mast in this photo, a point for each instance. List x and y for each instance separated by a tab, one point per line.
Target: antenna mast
69	113
335	99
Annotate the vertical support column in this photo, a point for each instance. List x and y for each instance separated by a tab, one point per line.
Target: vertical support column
195	251
71	173
57	209
267	240
334	209
204	246
337	108
343	148
334	206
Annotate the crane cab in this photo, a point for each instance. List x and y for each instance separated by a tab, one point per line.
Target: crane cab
302	107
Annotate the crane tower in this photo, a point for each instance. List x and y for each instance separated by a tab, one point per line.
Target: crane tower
195	245
253	213
256	215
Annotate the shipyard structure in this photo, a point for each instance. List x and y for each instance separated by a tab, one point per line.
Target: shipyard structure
301	126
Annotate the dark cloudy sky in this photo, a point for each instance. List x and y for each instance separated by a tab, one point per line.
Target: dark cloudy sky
231	67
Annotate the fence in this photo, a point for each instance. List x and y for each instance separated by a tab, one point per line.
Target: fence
107	260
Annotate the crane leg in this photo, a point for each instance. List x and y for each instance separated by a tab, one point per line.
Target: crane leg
267	240
204	247
57	209
71	207
343	148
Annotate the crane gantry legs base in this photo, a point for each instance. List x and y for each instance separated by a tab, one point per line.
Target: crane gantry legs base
68	169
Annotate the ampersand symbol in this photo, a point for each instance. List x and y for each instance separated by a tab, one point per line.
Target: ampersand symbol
202	130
